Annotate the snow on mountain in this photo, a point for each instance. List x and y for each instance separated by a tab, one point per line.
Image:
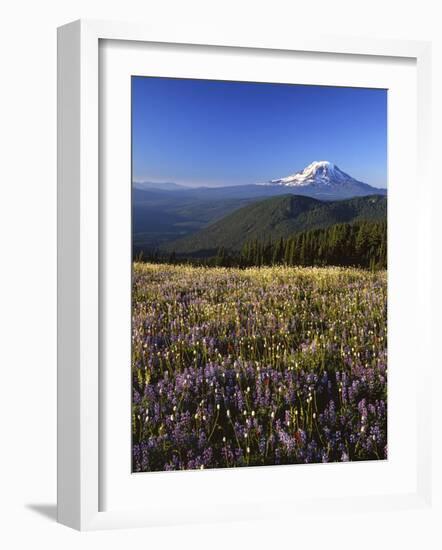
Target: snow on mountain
318	173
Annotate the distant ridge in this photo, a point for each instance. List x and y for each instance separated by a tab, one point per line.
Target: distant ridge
164	186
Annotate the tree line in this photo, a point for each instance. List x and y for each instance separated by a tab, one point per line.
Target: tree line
360	244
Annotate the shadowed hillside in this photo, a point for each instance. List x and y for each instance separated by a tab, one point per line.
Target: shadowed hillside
278	217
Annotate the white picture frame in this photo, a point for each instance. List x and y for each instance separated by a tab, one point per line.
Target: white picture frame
80	265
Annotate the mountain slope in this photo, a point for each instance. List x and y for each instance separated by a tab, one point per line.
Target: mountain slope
278	217
165	212
322	179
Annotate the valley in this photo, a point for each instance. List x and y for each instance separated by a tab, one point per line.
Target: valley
197	222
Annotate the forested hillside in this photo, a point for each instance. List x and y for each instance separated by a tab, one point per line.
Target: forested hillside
361	244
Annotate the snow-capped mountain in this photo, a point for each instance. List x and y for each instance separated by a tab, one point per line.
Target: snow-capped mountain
320	172
323	178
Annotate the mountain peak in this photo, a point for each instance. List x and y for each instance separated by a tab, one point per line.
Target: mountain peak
322	169
317	164
322	173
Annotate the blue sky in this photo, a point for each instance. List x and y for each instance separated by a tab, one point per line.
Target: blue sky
203	132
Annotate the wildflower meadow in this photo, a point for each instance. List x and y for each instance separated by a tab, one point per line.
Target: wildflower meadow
259	366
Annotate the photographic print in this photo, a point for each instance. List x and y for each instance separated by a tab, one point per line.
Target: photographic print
259	276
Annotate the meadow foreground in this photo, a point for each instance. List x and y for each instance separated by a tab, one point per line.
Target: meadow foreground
257	366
